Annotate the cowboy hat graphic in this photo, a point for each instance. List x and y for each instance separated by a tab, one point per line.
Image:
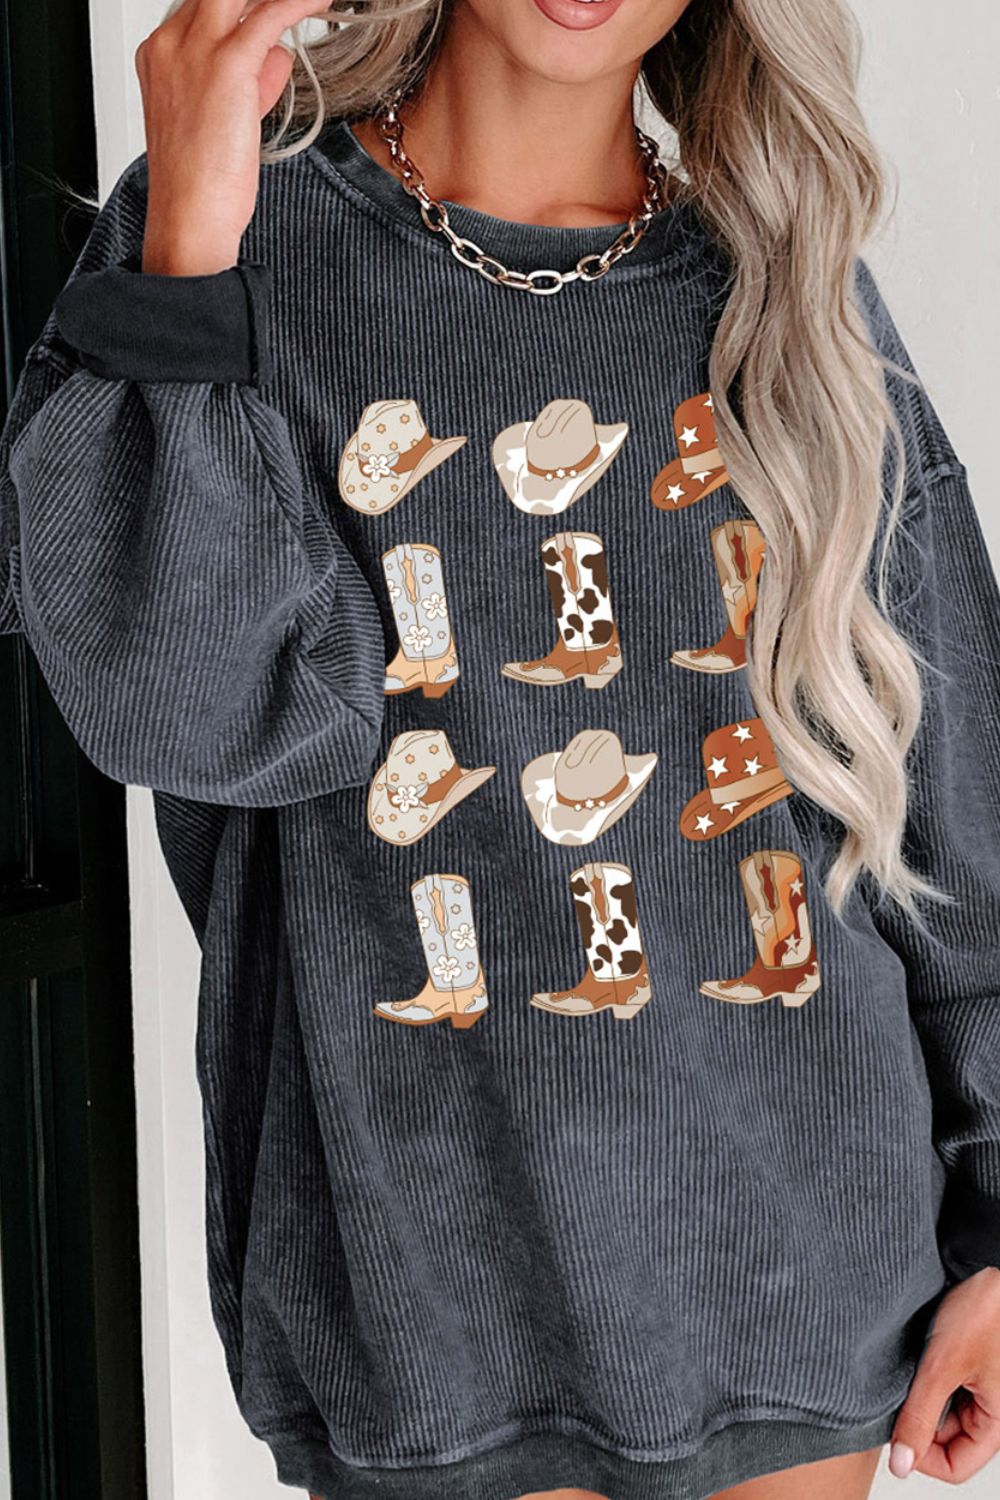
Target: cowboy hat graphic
742	776
388	454
699	469
573	795
547	464
419	783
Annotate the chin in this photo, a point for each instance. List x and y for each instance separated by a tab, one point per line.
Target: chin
576	41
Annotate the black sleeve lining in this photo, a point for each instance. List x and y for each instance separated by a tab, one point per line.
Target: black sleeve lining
126	323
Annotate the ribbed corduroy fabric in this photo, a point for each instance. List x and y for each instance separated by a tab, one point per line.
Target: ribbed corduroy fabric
649	1248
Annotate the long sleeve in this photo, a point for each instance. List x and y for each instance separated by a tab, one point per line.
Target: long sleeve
199	623
947	603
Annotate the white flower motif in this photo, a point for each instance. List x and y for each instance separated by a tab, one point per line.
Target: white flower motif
394	589
435	607
447	968
464	936
406	797
423	921
379	465
417	638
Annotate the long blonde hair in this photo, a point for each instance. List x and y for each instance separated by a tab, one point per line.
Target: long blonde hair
772	146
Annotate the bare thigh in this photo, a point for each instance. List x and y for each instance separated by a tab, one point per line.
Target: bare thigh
846	1478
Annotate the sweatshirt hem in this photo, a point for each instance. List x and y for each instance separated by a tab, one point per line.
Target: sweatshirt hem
533	1460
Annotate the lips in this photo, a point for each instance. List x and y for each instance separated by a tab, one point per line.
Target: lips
578	15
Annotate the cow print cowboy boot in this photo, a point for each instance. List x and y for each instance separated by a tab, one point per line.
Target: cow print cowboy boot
587	649
617	975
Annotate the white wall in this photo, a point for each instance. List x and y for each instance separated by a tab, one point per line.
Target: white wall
932	95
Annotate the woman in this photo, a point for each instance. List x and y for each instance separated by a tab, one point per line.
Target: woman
438	614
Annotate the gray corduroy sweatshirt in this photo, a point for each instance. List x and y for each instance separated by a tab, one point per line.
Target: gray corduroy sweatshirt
557	1132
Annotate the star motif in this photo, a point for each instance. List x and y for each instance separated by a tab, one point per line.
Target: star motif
730	807
675	492
704	823
741	733
751	766
710	404
718	766
689	436
796	887
703	478
761	922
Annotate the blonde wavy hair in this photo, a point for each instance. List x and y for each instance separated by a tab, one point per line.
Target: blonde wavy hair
772	147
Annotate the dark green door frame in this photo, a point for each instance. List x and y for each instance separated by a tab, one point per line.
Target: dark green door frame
68	1214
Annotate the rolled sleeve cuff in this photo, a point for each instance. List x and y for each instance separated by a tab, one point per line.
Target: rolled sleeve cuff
130	324
968	1231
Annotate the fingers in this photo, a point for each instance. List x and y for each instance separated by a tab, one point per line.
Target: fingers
956	1456
263	21
935	1435
918	1419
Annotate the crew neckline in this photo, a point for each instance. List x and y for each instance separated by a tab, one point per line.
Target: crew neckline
521	245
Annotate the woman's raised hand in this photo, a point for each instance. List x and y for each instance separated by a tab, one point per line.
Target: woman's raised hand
208	75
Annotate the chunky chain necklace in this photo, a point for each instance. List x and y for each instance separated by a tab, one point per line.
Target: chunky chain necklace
543	282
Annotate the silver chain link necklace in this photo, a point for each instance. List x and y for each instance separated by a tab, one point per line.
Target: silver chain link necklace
543	282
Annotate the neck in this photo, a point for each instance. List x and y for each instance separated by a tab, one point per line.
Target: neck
487	133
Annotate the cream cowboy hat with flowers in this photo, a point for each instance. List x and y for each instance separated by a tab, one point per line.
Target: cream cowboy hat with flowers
547	464
419	783
390	452
574	795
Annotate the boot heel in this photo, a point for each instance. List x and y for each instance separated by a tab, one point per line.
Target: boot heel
626	1012
596	682
794	1001
435	689
462	1020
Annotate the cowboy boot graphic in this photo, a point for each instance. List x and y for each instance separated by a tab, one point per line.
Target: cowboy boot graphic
786	963
699	469
738	551
426	658
455	990
587	649
742	777
617	975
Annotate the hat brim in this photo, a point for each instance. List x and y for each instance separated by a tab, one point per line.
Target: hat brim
568	825
673	478
702	806
379	496
547	497
396	827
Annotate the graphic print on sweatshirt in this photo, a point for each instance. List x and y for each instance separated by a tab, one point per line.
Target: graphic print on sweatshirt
455	990
574	794
616	976
738	553
390	451
587	648
546	465
698	469
785	964
426	659
418	785
742	776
